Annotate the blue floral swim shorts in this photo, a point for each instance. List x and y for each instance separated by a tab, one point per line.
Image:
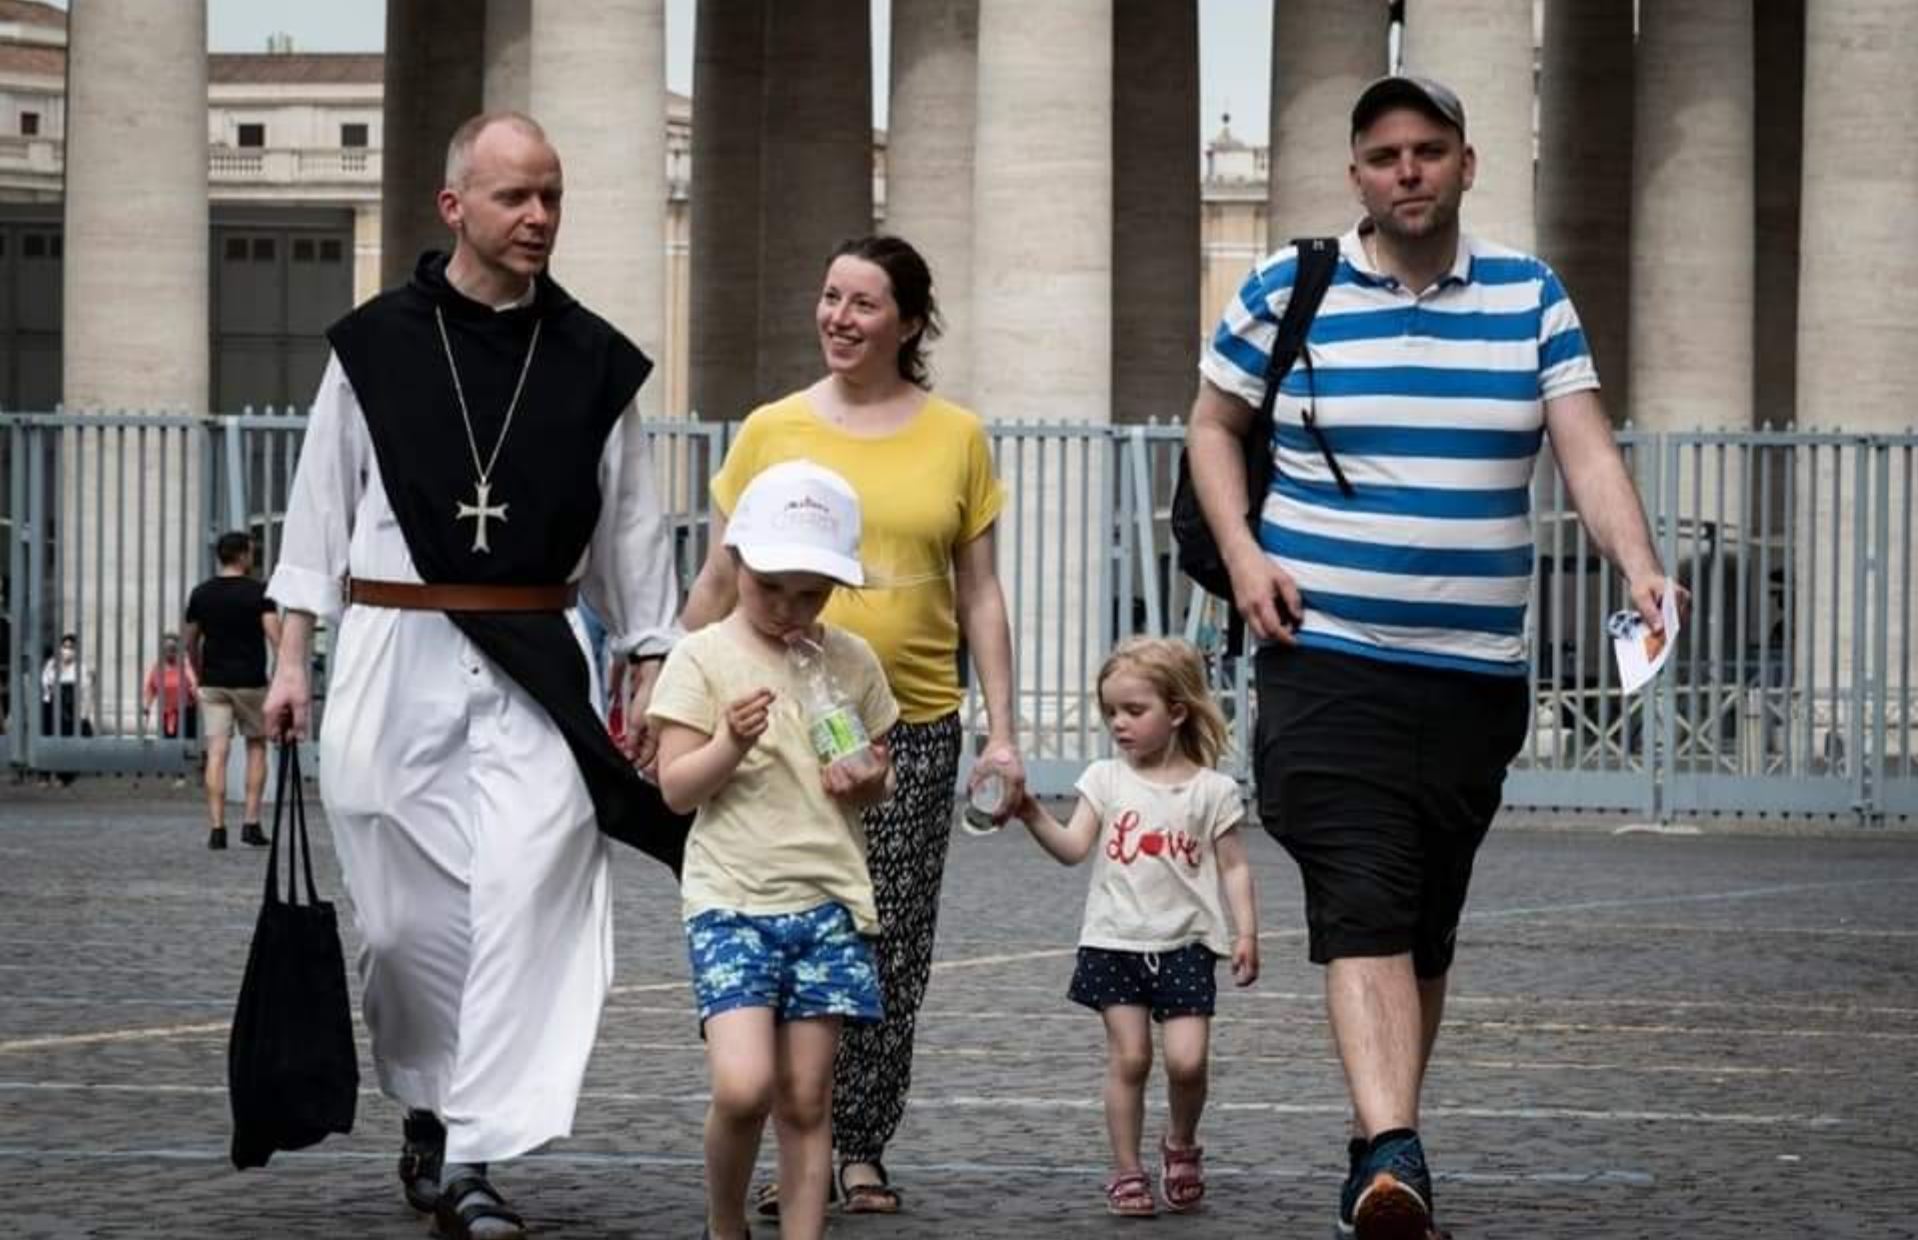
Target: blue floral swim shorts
800	965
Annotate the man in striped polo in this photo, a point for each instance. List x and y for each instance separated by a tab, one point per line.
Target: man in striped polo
1388	582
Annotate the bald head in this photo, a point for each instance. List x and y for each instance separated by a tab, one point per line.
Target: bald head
459	150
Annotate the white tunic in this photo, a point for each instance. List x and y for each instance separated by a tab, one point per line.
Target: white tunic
464	830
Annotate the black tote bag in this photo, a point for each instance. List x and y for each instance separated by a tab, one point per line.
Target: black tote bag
292	1073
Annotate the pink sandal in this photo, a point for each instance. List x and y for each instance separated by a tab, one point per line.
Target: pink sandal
1129	1195
1182	1177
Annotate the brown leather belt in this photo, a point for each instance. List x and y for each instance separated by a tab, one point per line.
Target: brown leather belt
409	596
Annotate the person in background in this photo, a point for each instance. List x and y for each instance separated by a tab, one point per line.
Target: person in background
230	622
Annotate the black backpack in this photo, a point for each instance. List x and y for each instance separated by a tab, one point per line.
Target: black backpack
1199	558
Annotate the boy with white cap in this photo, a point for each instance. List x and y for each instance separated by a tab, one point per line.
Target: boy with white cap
777	899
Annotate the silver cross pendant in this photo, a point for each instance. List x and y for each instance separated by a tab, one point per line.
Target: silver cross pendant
481	512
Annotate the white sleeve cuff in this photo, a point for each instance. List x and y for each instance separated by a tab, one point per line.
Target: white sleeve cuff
302	589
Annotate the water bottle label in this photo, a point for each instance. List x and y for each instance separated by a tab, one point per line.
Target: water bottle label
837	734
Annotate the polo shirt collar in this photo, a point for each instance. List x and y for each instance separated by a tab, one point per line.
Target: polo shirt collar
1352	249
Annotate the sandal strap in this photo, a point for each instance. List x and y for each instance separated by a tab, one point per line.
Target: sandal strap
456	1200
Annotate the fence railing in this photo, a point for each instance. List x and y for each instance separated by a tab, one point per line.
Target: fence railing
1790	691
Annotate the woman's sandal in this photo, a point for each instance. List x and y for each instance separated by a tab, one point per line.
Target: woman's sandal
421	1157
1129	1195
471	1199
1182	1177
880	1198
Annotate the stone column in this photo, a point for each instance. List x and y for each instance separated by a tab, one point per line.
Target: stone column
509	55
135	293
1483	49
1155	208
729	49
1858	299
1323	54
1692	217
816	170
435	57
1779	118
599	89
935	70
134	332
1585	176
1042	343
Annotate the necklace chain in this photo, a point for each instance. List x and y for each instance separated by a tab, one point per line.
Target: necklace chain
485	472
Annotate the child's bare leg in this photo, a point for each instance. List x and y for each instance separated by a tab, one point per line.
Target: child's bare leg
1128	1063
1187	1045
802	1118
740	1059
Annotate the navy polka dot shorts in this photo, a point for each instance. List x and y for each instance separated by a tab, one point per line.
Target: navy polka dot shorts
1175	983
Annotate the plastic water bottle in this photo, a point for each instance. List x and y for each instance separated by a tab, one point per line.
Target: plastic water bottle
838	733
985	800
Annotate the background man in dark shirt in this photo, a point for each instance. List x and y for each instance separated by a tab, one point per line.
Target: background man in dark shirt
229	623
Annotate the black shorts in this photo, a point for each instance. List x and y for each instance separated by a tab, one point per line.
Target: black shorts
1381	779
1174	983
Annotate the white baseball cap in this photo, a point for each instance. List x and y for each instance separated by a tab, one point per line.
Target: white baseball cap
798	517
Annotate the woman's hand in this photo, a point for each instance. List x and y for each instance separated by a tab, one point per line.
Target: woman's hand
1001	758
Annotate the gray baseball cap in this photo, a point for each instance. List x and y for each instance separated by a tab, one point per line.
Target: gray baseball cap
1404	90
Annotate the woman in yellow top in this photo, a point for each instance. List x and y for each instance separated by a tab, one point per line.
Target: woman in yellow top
923	472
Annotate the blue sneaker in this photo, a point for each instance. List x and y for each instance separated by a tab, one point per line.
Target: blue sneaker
1349	1192
1394	1199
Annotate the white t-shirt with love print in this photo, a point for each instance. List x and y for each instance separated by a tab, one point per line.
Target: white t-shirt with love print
1155	881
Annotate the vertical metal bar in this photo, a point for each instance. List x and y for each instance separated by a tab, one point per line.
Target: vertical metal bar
1810	578
1715	640
1555	637
1661	704
1904	562
236	488
36	584
1768	530
20	531
1836	601
1691	667
1743	582
1099	458
1147	545
1860	594
1878	672
1584	652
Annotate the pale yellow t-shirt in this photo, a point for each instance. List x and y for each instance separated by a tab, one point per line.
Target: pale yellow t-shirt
924	491
771	840
1155	875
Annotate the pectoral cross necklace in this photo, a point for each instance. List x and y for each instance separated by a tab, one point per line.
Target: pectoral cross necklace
482	509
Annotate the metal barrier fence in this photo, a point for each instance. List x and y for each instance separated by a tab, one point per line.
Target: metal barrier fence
1789	692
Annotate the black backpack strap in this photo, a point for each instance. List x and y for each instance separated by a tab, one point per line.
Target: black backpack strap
1316	264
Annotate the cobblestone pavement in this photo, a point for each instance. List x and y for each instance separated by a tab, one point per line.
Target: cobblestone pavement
1711	1036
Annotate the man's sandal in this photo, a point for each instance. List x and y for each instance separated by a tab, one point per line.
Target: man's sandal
1182	1177
421	1157
472	1199
880	1198
1129	1195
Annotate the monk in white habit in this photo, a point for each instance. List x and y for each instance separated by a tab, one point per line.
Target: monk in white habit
472	466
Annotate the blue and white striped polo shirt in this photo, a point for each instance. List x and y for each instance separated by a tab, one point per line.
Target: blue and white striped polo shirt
1434	405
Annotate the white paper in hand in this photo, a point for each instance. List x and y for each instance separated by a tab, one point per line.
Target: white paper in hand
1640	651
